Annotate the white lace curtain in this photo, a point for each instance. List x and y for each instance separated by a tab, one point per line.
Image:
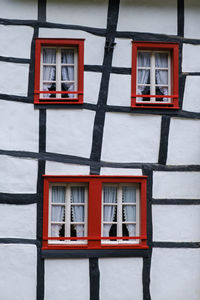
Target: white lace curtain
129	196
162	75
143	74
68	71
109	196
78	196
57	211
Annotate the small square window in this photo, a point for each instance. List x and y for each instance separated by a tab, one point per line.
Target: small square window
59	71
155	75
94	212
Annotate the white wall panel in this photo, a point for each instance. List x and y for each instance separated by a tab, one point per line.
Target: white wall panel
131	138
20	36
92	83
176	223
191	19
191	58
14	78
121	278
56	168
148	16
18	221
67	279
119	92
120	171
70	131
18	175
180	185
19	124
93	45
191	98
175	274
122	55
18	264
184	142
12	9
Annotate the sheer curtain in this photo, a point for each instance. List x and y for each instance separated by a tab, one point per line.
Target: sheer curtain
67	57
129	196
109	196
143	74
49	72
57	211
162	75
78	196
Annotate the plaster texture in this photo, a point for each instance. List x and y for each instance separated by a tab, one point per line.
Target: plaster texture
191	100
93	45
191	58
55	168
119	92
18	221
175	274
18	175
11	9
14	78
120	171
19	126
92	83
20	36
121	278
88	13
122	53
131	138
145	15
67	136
176	223
180	185
67	279
184	142
18	272
191	19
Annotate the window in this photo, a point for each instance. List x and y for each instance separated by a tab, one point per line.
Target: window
59	71
155	75
94	212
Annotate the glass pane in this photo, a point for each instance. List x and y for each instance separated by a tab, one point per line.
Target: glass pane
68	87
161	60
124	231
77	213
109	230
58	230
162	91
143	76
143	90
78	194
57	213
143	59
67	74
49	56
58	194
109	213
67	56
161	77
77	230
129	230
49	87
129	213
129	194
49	73
109	194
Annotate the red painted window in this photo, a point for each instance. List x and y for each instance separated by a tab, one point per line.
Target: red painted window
155	75
94	212
59	71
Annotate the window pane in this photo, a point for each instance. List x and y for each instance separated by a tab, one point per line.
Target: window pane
57	230
129	194
129	230
129	213
109	230
49	73
57	213
77	213
49	87
144	76
77	230
162	91
67	56
58	194
161	77
143	59
67	74
109	194
78	194
109	213
161	60
68	87
49	56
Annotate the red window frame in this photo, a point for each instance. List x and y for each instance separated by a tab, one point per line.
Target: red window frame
79	43
94	211
174	50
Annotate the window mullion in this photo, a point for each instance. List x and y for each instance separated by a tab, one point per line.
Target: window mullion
152	77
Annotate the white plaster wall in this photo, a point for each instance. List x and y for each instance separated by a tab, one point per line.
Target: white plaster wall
67	136
191	58
18	272
180	185
131	138
120	171
175	274
20	36
119	92
92	81
122	53
18	221
14	78
55	168
148	16
191	19
121	278
17	175
93	45
86	13
19	124
12	9
67	279
184	142
176	223
191	100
